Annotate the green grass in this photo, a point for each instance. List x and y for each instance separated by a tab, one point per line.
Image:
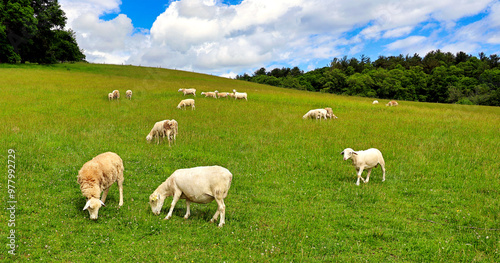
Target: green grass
292	196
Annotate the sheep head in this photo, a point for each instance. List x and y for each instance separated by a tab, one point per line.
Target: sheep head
348	152
93	205
156	202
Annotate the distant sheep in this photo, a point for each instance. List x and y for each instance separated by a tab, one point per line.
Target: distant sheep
392	103
185	103
188	91
329	113
210	94
375	102
170	130
128	94
240	95
316	114
223	94
96	176
156	132
231	95
110	96
367	159
197	185
116	94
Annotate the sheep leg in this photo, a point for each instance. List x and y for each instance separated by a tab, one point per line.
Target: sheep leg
188	212
174	201
221	209
368	175
360	171
104	194
120	189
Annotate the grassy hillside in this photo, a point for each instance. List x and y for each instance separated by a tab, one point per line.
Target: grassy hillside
292	197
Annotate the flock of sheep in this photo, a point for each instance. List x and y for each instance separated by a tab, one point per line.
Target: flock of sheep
199	184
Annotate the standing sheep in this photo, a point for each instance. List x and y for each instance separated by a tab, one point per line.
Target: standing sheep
128	94
240	95
110	96
367	159
96	176
116	94
188	91
185	103
197	185
170	130
315	114
210	94
222	94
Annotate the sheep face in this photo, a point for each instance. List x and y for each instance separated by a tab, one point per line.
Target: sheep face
156	202
93	205
347	153
149	138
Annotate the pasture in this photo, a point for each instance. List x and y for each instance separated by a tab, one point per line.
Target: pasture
292	199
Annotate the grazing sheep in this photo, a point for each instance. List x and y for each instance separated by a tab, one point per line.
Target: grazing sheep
375	102
210	94
128	94
156	132
197	185
316	114
231	95
170	129
392	103
188	91
367	159
223	94
96	176
185	103
110	96
116	94
240	95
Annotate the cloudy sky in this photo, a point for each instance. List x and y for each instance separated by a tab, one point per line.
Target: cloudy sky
229	37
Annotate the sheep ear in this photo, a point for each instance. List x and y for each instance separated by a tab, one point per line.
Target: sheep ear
342	153
355	153
86	205
102	203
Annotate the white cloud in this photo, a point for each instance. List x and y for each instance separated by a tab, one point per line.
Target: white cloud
209	36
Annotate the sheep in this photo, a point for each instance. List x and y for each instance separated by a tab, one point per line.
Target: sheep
375	102
170	130
367	159
210	94
392	103
231	95
197	185
156	132
128	94
96	176
185	103
329	113
240	95
116	94
223	94
188	91
110	96
316	114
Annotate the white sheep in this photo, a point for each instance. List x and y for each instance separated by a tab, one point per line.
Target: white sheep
96	176
222	94
156	132
170	130
392	103
116	94
367	159
210	94
185	103
188	91
316	114
240	95
231	94
197	185
375	102
128	94
329	113
110	96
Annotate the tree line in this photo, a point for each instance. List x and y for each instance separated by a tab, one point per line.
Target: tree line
439	76
33	31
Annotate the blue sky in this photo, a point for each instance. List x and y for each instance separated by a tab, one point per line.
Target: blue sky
234	37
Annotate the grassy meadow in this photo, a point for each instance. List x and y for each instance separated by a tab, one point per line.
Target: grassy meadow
292	199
